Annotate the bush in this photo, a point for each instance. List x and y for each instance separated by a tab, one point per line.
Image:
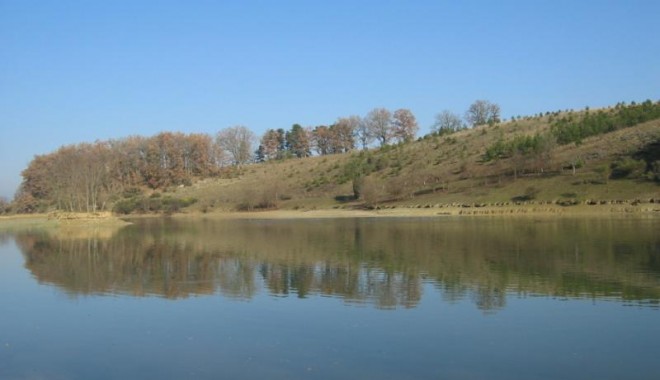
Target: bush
151	204
125	206
370	193
604	173
654	174
530	193
175	204
262	198
358	185
131	192
628	168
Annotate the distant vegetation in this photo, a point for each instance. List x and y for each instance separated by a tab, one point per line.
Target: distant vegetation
574	128
135	202
93	177
360	161
90	177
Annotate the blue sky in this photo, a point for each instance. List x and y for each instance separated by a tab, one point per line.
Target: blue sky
79	71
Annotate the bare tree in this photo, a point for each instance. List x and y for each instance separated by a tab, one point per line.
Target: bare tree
405	125
363	133
237	141
379	123
447	122
483	112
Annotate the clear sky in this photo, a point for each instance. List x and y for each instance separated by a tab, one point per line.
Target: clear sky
79	71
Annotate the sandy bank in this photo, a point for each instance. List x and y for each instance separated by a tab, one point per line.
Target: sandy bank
53	220
426	211
421	212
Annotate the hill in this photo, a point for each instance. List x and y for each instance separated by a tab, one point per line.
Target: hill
557	159
459	169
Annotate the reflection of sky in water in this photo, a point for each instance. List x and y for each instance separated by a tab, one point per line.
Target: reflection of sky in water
64	332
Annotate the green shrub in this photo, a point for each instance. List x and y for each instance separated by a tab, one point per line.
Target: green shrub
131	192
358	186
125	206
628	168
569	129
654	173
151	204
530	193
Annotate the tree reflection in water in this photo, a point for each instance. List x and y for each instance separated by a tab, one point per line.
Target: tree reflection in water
380	262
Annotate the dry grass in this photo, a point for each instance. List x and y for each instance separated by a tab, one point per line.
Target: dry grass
424	211
61	220
437	170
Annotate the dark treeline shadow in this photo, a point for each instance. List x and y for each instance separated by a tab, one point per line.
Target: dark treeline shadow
384	263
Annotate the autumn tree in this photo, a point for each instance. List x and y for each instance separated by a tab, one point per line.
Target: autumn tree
36	177
270	142
447	122
199	155
25	203
322	140
337	138
84	177
237	141
81	177
5	206
76	178
482	112
404	126
94	176
379	124
127	162
343	132
164	160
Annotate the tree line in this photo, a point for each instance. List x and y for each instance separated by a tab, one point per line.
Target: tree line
88	177
346	134
379	126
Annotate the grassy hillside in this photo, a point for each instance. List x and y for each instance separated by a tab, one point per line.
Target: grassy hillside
486	165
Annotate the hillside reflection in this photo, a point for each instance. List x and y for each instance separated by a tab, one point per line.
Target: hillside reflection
380	262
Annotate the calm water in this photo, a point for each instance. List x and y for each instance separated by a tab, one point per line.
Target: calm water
334	299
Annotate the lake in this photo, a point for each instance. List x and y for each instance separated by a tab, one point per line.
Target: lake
443	298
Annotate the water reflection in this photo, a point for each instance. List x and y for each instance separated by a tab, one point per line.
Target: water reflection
381	262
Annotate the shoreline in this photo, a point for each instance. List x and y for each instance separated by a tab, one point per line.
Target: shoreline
434	212
60	220
107	219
